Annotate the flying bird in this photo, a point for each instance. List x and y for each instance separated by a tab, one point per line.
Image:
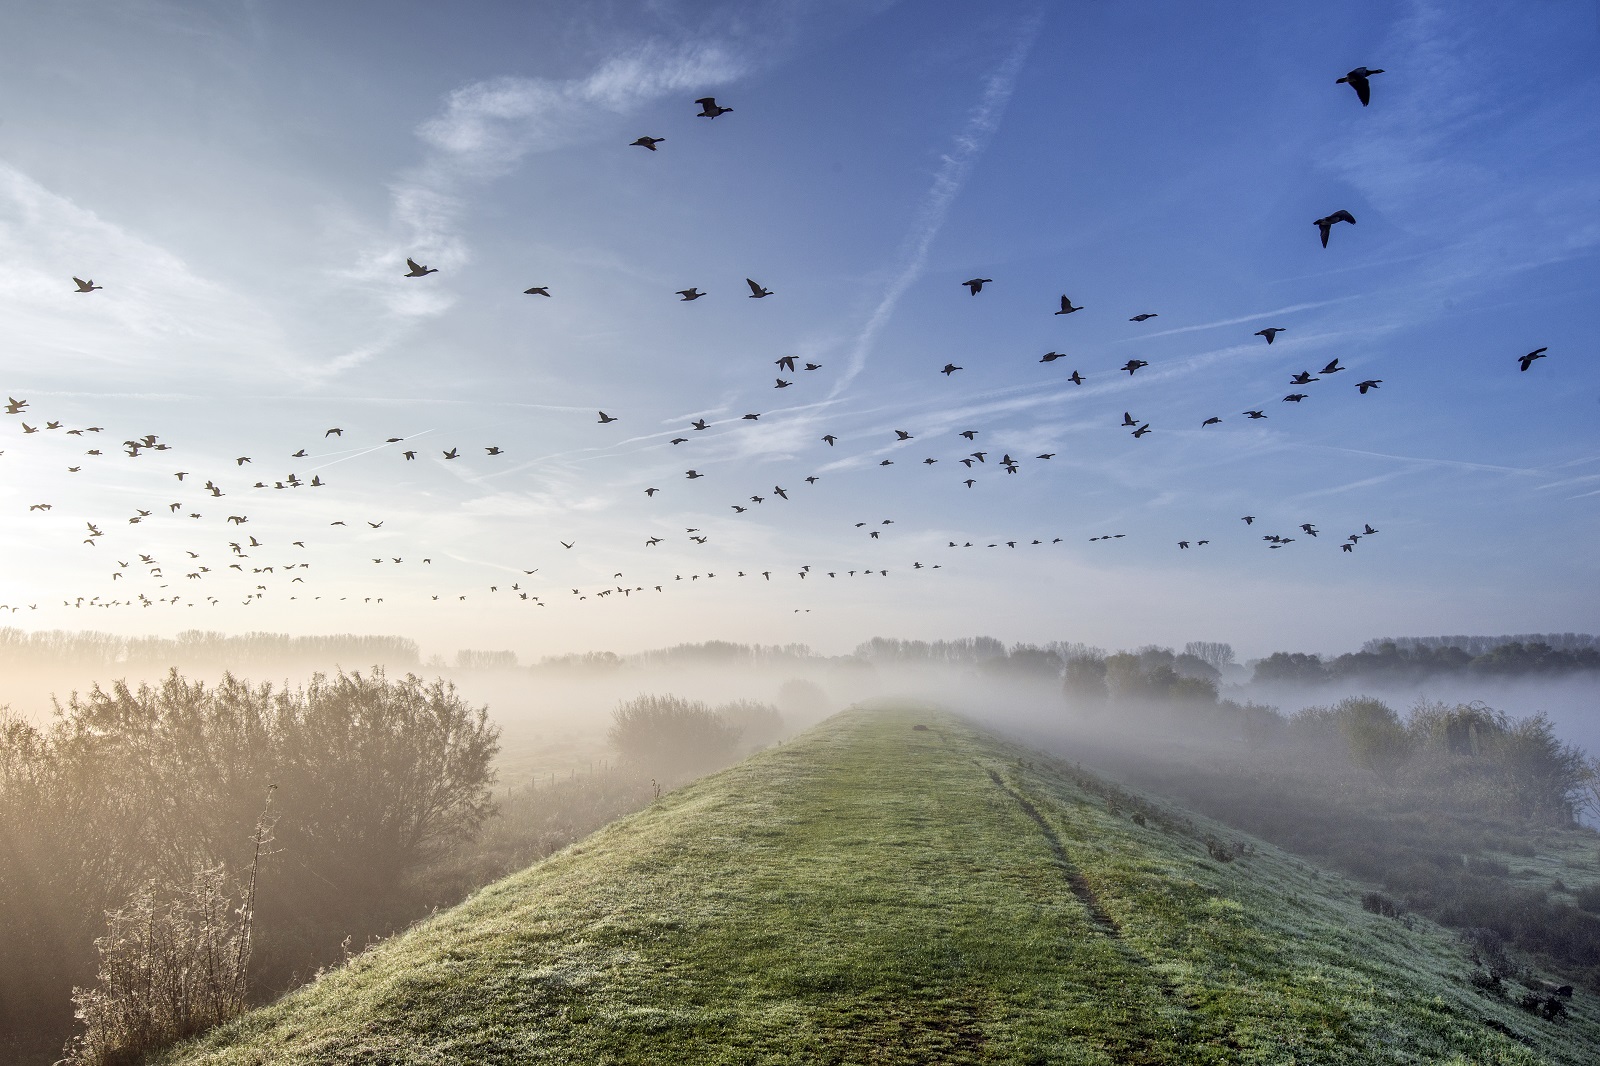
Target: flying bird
1066	306
604	418
1270	333
1357	80
1133	364
901	434
1128	419
757	292
950	368
1255	414
1331	368
87	286
1142	430
1370	383
537	290
975	285
1144	317
1075	377
830	438
1050	357
1212	421
1294	397
784	362
691	293
1527	360
1303	378
647	142
452	454
699	423
418	270
709	108
1327	224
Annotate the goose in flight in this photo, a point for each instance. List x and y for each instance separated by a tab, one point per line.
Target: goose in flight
901	434
1248	519
334	432
1303	378
1075	377
975	285
1050	357
1270	333
699	423
830	438
1066	306
1128	419
1255	414
1327	224
452	454
537	290
409	455
785	362
494	449
651	491
950	368
1369	530
1370	383
782	384
692	474
647	142
970	434
1331	368
1294	397
87	286
693	293
604	418
15	406
377	525
813	366
749	418
1144	317
1142	430
1527	360
417	269
709	108
1357	80
564	544
1133	364
1212	421
757	292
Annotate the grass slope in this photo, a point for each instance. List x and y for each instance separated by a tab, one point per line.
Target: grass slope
868	893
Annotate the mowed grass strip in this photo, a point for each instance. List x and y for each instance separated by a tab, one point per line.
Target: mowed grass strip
872	893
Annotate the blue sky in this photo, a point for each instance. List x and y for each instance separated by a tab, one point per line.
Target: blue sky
246	182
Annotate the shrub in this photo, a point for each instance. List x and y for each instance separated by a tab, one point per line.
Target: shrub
759	724
802	700
671	736
172	964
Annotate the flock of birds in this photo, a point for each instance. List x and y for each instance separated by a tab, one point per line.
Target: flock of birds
278	568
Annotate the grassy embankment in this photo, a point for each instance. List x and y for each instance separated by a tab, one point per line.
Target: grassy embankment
871	893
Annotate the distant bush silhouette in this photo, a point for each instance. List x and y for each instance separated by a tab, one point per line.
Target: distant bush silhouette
758	724
672	736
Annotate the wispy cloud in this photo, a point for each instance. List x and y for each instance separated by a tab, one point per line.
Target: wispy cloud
947	185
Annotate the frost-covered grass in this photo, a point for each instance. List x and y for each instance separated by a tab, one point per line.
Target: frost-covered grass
873	893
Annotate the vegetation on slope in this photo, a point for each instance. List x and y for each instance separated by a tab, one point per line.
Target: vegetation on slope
877	893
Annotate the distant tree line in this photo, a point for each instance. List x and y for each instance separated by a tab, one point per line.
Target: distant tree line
1395	662
1479	645
195	648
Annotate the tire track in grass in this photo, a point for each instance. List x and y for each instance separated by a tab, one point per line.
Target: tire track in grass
1180	1011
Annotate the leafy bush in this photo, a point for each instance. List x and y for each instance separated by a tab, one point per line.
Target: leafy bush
1378	903
759	724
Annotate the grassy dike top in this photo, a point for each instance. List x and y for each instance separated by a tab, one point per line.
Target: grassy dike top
874	893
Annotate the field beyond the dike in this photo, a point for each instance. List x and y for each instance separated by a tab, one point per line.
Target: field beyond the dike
870	892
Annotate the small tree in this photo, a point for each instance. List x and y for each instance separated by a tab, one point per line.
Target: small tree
1377	739
758	723
1084	683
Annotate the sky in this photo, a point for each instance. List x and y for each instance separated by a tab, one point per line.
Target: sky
246	181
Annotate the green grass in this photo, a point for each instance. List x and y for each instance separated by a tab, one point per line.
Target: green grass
868	893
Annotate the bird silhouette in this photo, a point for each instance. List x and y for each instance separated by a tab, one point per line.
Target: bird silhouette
950	368
1527	360
1370	383
699	423
1357	80
1270	333
1212	421
1303	378
1327	224
452	454
1128	419
830	438
709	108
604	418
1254	414
785	362
782	384
87	286
418	270
1142	430
690	294
757	292
1331	368
1294	397
1248	519
1144	317
1075	377
692	474
749	418
975	285
1133	364
970	434
1050	357
1066	306
647	142
901	434
537	290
